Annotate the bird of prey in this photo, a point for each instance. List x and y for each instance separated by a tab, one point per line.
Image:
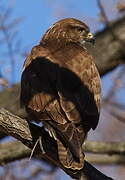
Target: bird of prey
60	87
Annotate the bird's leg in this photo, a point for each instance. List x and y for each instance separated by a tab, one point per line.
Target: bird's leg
39	140
33	149
41	145
50	130
52	133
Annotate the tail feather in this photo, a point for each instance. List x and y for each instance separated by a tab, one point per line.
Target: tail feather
67	159
70	146
69	141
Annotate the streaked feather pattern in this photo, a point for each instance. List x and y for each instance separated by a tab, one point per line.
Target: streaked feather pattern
60	86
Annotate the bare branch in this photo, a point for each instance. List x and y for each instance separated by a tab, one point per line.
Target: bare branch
109	47
8	35
106	159
13	151
102	13
114	87
105	147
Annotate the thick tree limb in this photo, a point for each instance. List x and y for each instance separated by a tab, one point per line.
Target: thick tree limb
109	47
28	133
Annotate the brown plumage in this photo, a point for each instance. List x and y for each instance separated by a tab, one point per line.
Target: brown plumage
60	87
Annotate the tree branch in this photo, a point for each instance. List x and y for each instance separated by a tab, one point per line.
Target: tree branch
16	150
13	151
105	159
28	133
105	147
109	47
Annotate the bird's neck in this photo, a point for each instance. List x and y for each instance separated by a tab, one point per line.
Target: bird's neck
63	53
63	48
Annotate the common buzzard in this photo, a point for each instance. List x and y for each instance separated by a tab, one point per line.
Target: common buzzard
60	87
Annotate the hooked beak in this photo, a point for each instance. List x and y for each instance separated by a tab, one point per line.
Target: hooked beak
90	38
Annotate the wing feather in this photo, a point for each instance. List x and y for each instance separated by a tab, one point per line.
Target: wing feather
66	95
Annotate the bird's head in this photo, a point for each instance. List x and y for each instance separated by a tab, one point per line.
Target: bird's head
66	31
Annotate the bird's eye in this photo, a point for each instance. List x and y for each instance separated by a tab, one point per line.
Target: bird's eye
80	29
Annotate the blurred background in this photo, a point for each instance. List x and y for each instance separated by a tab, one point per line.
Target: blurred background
22	24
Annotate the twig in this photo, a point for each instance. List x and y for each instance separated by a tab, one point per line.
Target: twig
102	13
9	35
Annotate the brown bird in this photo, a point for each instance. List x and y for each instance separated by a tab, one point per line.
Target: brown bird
60	87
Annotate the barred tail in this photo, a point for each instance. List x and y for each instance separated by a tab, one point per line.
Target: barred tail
67	159
69	141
